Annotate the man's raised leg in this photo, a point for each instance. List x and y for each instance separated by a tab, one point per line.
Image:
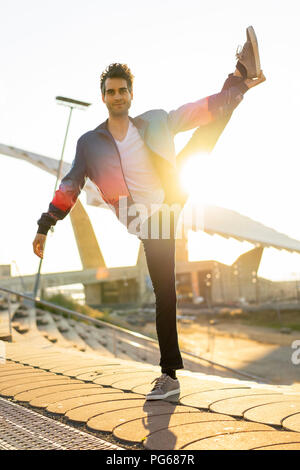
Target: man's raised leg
247	74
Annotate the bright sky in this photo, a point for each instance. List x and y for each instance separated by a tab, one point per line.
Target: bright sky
179	52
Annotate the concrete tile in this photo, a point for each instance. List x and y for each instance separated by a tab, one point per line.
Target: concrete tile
205	398
179	437
188	386
142	389
138	429
147	387
40	393
83	366
32	360
56	387
49	364
109	379
246	441
61	398
84	413
26	379
38	363
94	373
12	391
292	422
273	413
10	366
49	357
285	446
109	420
69	368
15	368
208	382
54	363
236	406
62	406
26	356
17	373
189	389
132	380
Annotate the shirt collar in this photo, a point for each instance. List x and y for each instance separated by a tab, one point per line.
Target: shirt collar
138	122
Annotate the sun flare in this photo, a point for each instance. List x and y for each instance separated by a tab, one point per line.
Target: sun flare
197	178
205	183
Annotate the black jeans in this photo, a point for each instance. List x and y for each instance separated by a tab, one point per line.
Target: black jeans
160	253
160	256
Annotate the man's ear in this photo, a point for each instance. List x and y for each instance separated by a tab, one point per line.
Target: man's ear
102	97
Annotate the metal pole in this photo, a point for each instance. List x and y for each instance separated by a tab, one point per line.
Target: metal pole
114	344
38	275
20	276
62	152
297	290
9	316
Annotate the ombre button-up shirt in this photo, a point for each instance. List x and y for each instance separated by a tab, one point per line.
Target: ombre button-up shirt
97	156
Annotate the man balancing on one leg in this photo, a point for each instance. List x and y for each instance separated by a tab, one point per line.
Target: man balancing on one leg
133	160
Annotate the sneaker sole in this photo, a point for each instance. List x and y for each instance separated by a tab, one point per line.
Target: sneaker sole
165	395
254	44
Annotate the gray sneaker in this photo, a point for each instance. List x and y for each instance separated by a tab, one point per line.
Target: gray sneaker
248	56
163	388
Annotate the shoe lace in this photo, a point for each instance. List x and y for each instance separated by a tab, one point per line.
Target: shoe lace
159	381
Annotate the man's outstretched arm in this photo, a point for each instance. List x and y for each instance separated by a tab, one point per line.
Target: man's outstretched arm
64	199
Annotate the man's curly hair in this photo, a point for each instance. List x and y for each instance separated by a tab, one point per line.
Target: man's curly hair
117	70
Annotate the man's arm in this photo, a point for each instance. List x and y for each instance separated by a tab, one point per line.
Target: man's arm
65	197
206	110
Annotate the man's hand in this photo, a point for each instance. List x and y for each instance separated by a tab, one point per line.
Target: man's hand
39	244
251	82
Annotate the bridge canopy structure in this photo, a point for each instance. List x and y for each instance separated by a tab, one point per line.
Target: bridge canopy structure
50	165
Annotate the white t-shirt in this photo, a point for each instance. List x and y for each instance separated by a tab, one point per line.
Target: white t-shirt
140	175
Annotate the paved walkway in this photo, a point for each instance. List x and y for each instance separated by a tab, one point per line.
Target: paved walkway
67	370
106	395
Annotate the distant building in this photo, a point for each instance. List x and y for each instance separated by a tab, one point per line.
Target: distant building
205	282
5	270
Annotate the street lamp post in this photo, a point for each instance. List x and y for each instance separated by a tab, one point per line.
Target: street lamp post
297	286
20	276
71	104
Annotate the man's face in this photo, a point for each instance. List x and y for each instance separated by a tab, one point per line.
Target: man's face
117	96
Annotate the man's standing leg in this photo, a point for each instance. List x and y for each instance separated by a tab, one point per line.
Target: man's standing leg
160	256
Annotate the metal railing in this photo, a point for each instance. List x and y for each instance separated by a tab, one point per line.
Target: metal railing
9	313
115	329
